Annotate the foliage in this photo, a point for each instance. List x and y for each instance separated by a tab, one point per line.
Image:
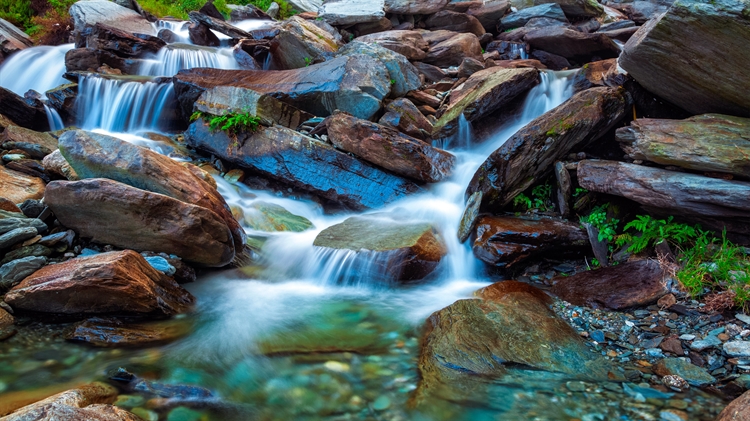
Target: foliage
651	231
541	199
579	191
17	12
285	9
598	219
232	123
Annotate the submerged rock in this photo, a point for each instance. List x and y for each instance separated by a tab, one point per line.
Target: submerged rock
694	375
264	216
114	282
17	187
114	333
409	251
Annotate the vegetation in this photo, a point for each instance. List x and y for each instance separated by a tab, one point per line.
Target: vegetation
541	199
599	219
232	123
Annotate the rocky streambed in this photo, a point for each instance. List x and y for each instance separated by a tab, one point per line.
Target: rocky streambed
389	210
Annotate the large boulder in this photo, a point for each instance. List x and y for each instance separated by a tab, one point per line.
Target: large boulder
506	240
94	155
520	18
305	163
114	282
708	142
299	42
390	149
484	92
572	44
17	187
577	9
409	43
219	25
119	42
355	84
348	12
414	7
89	59
25	112
737	410
454	21
12	39
109	212
531	152
694	32
453	50
404	251
404	77
403	115
90	12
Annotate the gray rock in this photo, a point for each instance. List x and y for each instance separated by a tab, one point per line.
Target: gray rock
694	375
16	236
59	238
12	39
577	9
348	12
91	12
744	318
414	7
520	18
306	5
707	342
404	76
273	10
737	349
14	272
299	41
9	224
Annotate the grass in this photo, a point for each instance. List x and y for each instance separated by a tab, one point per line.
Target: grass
232	123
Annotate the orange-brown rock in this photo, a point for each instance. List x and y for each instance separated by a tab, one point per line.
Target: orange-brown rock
8	205
737	410
17	187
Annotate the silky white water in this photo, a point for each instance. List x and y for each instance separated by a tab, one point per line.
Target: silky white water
38	68
175	57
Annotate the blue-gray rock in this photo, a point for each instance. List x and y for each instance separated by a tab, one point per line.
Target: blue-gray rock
16	236
694	375
159	263
404	76
598	336
59	238
521	17
14	272
737	349
9	224
707	342
349	12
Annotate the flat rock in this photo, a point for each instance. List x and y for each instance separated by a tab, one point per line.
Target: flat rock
18	135
406	251
103	332
694	375
11	223
577	9
740	349
104	37
299	41
16	236
114	213
710	341
28	113
270	217
348	12
404	77
414	7
390	149
114	282
631	284
522	17
15	271
454	21
408	43
403	115
694	32
572	44
453	50
12	39
17	187
90	12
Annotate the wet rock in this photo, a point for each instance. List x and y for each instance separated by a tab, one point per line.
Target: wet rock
676	383
522	17
469	66
114	333
489	13
709	142
114	213
34	250
56	164
572	44
484	92
114	282
355	84
28	113
305	163
299	41
263	216
577	9
89	59
618	287
219	25
672	345
506	240
390	149
12	39
17	187
453	50
412	7
410	251
117	41
16	236
552	61
531	152
408	43
403	115
131	383
15	137
244	12
694	32
695	376
201	34
347	12
598	73
737	410
94	155
710	341
469	217
740	349
14	272
453	21
717	203
404	77
89	13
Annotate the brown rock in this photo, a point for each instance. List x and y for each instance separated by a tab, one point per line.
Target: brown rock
113	213
454	21
618	287
17	187
8	205
423	98
12	39
572	44
56	165
403	115
298	40
453	50
414	7
114	333
737	410
15	135
114	282
119	42
28	113
672	345
667	301
409	43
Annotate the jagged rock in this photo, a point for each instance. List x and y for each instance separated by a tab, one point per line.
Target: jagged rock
355	84
56	164
409	43
709	142
404	76
431	73
15	271
570	43
577	9
348	12
114	333
522	17
405	251
243	12
200	34
531	152
14	137
219	25
16	236
414	7
91	12
117	41
12	39
390	149
403	115
221	100
482	93
89	59
383	24
113	213
25	112
489	12
17	187
453	50
453	21
63	99
599	73
299	42
694	32
114	282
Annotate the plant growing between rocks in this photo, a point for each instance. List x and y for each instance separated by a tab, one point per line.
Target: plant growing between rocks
232	123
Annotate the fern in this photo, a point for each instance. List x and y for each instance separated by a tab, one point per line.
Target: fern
598	219
541	199
652	231
232	123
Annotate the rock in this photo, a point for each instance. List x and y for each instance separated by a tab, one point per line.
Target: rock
404	77
739	349
737	410
28	113
114	282
269	217
355	84
390	149
694	375
6	320
117	41
383	24
431	73
219	25
469	217
10	223
161	264
483	92
8	205
631	284
408	43
347	12
13	137
414	7
403	115
469	66
34	250
694	32
12	39
89	59
56	164
299	42
14	272
94	155
552	61
643	11
201	34
16	236
306	5
489	13
453	21
304	163
405	251
506	240
577	9
522	17
717	203
676	383
114	333
531	152
572	44
90	12
453	50
705	343
89	402
17	187
709	142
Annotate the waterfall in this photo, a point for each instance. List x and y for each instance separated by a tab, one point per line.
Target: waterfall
179	28
175	57
53	118
38	68
119	105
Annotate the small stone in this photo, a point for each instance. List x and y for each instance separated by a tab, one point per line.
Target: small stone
744	318
739	349
612	353
598	336
146	414
677	403
687	337
708	342
654	352
723	337
32	240
672	345
16	236
234	176
382	403
676	383
667	301
673	415
336	366
576	386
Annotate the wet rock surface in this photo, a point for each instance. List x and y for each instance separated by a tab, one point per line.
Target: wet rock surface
17	187
114	333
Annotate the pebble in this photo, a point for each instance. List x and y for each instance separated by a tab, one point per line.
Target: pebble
672	415
382	403
744	318
336	366
676	383
654	352
737	348
708	342
576	386
146	414
597	335
687	337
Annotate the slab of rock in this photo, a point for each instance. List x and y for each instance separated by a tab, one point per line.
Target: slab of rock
577	9
109	212
572	44
522	17
739	349
14	135
28	113
737	410
12	39
299	42
15	271
89	59
694	375
408	43
55	164
16	236
453	50
219	25
355	84
114	282
694	32
483	92
489	13
17	187
454	21
390	149
403	115
269	217
631	284
122	43
532	151
91	12
305	163
407	251
709	142
348	12
201	34
103	332
414	7
8	224
404	77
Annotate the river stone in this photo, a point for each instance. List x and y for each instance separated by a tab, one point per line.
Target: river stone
14	135
483	92
12	39
355	84
469	217
453	50
705	343
403	115
12	223
708	142
348	12
404	76
694	32
694	375
34	250
522	17
739	349
737	410
530	154
105	332
305	163
506	240
94	155
577	9
24	112
113	282
390	149
122	43
16	236
411	250
408	43
56	164
454	21
299	41
90	12
14	272
6	320
9	206
571	44
270	217
114	213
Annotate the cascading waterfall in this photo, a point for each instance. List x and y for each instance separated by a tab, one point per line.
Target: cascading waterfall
175	57
179	28
53	118
38	68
